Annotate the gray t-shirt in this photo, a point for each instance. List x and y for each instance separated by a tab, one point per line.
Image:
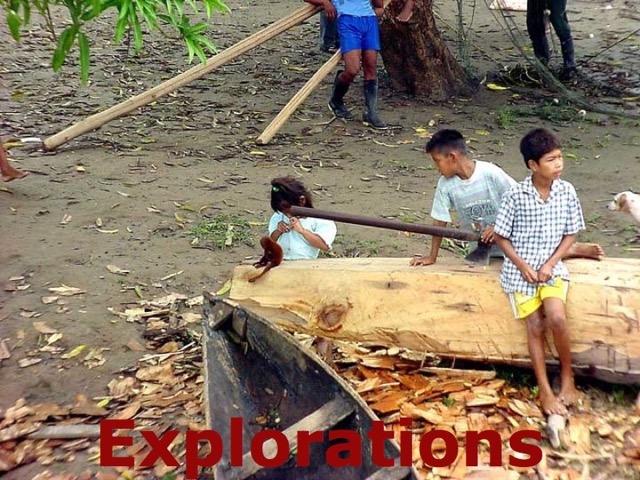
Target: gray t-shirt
476	199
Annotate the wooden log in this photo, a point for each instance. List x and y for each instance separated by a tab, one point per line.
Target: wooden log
450	309
277	123
66	432
97	120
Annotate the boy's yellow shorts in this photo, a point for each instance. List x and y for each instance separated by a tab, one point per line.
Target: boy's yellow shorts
524	305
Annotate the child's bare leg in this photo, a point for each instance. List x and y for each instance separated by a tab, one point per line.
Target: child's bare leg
8	172
555	320
585	250
407	11
535	340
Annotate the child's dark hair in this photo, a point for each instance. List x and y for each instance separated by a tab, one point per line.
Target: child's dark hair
443	141
537	143
290	190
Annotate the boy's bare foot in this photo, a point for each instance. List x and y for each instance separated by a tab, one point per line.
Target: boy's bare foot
585	250
568	395
551	405
11	174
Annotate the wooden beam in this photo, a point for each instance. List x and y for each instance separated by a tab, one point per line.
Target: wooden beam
450	309
322	419
277	123
97	120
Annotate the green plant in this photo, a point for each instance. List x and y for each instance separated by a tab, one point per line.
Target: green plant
516	377
131	14
506	117
448	401
222	231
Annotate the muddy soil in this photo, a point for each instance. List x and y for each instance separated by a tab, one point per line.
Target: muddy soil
130	193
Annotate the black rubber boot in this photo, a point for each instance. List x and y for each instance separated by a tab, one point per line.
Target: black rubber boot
569	58
370	117
541	49
336	104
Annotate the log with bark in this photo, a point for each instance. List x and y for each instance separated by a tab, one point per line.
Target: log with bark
450	309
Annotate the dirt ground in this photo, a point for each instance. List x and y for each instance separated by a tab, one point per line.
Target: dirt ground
130	193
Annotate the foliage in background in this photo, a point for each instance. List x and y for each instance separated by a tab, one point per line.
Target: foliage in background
131	15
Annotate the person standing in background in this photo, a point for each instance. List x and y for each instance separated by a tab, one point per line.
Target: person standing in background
537	32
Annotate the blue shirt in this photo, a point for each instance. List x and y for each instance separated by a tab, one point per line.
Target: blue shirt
357	8
535	228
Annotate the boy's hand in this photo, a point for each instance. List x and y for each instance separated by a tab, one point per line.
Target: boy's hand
296	225
422	261
528	273
329	9
283	227
545	272
487	236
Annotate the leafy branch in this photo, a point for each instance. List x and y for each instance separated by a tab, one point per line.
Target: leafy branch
131	15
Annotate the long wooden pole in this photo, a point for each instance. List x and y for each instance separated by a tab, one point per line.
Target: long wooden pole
277	123
253	41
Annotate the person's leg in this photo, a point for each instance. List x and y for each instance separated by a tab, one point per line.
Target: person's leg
530	309
535	342
331	34
585	250
350	45
328	34
370	49
8	172
536	29
560	24
555	320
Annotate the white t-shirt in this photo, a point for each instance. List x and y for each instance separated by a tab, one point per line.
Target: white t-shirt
476	199
294	245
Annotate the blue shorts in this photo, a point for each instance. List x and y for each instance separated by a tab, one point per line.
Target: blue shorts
358	33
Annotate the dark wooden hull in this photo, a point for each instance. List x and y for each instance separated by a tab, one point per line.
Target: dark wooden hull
258	372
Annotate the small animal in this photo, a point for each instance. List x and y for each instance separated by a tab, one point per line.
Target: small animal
272	257
627	202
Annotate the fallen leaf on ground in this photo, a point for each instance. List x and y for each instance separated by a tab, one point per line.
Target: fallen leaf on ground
66	291
42	327
117	270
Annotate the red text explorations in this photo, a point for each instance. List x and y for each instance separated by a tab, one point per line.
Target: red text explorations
522	442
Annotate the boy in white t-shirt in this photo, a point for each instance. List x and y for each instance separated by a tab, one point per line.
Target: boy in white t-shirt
300	238
474	189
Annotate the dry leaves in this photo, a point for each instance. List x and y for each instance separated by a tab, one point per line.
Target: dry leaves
167	384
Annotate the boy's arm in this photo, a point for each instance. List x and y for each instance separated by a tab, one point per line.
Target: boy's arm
378	7
528	273
329	9
435	248
546	270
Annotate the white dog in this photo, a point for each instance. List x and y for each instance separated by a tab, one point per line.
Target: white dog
627	202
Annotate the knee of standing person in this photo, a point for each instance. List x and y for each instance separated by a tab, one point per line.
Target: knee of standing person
351	72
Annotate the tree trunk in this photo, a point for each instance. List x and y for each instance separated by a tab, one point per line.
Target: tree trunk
450	309
415	56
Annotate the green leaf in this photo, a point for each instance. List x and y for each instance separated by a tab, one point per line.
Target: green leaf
65	42
14	22
83	43
137	31
121	27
